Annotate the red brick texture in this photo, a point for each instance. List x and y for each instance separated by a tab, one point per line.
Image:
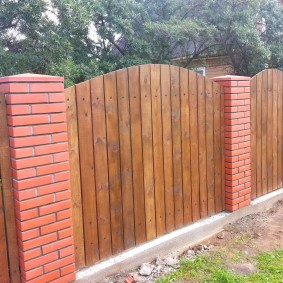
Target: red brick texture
237	134
36	117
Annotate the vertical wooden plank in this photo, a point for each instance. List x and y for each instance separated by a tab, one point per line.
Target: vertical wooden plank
254	137
186	147
202	145
8	198
280	129
264	131
258	149
87	171
137	158
126	158
101	166
209	122
4	264
194	145
110	88
157	150
269	131
147	151
177	145
217	146
275	131
167	147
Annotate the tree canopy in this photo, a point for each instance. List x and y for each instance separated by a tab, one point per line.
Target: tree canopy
83	38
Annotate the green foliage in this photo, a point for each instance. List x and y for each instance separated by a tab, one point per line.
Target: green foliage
80	39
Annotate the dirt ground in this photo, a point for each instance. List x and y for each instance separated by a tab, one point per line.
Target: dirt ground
247	237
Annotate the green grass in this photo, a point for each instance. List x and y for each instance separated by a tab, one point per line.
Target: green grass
211	269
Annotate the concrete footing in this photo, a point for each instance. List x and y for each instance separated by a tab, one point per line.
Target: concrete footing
177	241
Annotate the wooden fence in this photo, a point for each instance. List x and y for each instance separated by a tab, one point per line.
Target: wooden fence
146	155
267	131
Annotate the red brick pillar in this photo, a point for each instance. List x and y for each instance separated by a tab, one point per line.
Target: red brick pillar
237	131
41	179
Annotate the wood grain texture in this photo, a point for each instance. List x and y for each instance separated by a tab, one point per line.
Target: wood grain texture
269	131
280	129
101	167
274	129
253	137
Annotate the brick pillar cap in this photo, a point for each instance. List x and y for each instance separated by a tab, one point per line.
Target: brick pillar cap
31	78
232	78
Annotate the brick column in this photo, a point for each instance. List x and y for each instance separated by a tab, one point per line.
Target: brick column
237	131
41	179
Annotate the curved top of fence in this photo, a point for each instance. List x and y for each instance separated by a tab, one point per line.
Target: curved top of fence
266	71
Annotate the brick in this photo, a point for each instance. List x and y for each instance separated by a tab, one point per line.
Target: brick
48	108
47	277
61	157
245	192
47	129
28	235
58	118
62	176
231	195
31	162
28	275
62	205
43	87
245	144
20	131
27	255
57	245
244	83
231	183
231	159
25	194
67	251
64	214
39	241
244	180
63	137
234	140
231	171
18	109
235	188
245	156
244	108
230	147
67	278
234	201
36	222
231	207
57	97
234	128
231	134
59	263
36	202
52	148
232	103
67	269
65	233
234	115
14	87
54	168
32	182
57	187
244	133
245	168
57	226
27	214
21	153
23	174
234	164
244	203
29	141
26	120
231	109
65	195
234	176
27	99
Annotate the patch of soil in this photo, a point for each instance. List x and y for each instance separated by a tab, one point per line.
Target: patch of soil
239	242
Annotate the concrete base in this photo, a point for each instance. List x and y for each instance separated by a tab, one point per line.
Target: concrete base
177	241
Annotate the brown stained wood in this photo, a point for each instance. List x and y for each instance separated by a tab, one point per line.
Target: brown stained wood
167	147
110	89
269	131
264	132
4	264
8	198
222	139
87	167
218	146
186	147
177	145
137	158
253	137
126	158
101	167
202	145
257	191
147	151
280	129
194	146
157	150
209	122
275	131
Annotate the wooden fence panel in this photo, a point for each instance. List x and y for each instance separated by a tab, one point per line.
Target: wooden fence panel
149	151
267	130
